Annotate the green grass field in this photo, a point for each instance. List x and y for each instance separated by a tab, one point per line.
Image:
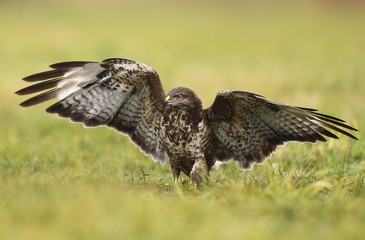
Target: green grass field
61	181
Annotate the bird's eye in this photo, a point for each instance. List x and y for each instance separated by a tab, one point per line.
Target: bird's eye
178	96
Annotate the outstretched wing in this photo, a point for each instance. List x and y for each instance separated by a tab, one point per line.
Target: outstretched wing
122	94
249	128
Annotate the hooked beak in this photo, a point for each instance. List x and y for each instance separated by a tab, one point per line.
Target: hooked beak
167	101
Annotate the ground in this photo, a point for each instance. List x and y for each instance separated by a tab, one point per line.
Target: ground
61	181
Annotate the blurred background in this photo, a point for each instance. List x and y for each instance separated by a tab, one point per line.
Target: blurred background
307	53
302	53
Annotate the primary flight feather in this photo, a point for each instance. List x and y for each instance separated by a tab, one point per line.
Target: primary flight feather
128	96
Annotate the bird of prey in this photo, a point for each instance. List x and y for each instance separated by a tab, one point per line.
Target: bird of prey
128	96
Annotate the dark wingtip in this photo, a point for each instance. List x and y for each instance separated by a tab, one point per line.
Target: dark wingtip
69	65
308	109
45	75
20	92
329	134
23	105
39	87
43	97
351	136
27	103
331	122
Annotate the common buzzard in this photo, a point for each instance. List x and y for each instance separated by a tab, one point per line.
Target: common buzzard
128	97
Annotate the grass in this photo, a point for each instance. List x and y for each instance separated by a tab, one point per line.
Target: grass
61	181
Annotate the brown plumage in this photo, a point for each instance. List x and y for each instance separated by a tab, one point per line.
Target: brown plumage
128	96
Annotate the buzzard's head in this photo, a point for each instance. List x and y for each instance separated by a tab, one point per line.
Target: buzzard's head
183	98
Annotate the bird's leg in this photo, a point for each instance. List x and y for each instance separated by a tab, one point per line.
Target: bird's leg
176	173
200	173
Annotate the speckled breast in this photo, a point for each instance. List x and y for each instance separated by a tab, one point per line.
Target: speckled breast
184	138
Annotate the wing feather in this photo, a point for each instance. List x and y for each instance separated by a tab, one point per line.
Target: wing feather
248	128
39	87
45	75
69	65
43	97
119	93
